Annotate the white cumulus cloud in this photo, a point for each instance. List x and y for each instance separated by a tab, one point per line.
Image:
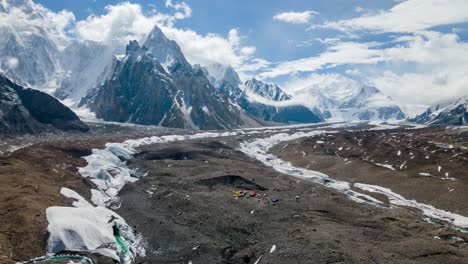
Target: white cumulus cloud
126	21
121	23
211	48
182	6
27	18
295	17
408	16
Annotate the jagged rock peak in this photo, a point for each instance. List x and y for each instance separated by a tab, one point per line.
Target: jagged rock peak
220	75
266	90
157	35
134	46
167	51
449	113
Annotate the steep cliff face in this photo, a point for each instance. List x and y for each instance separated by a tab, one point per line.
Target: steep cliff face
24	110
30	57
85	64
141	90
450	113
202	104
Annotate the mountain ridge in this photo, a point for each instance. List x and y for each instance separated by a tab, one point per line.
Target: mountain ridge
141	90
449	113
25	110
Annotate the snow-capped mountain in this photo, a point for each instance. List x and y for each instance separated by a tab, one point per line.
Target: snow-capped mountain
36	55
143	90
166	51
266	102
448	113
27	52
370	104
84	65
338	101
31	58
350	101
268	91
225	79
73	69
218	73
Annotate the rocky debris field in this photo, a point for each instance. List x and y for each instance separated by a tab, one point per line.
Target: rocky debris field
205	201
197	216
428	165
33	169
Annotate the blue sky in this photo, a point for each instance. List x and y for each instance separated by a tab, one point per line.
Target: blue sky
273	39
415	51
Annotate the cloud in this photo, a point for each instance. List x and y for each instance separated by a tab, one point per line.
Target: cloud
29	18
417	65
127	21
211	48
340	54
298	85
407	16
233	37
121	23
182	6
422	69
440	70
11	62
252	67
353	72
295	17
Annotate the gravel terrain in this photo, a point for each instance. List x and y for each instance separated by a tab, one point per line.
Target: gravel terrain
204	201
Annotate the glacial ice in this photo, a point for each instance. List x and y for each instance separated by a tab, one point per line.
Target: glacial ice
258	148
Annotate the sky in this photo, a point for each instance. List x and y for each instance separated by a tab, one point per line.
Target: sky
415	51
